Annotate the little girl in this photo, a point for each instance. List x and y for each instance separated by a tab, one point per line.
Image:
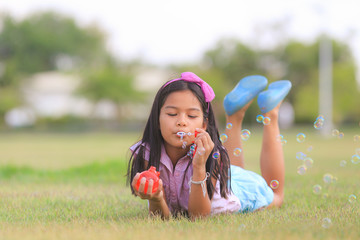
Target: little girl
198	175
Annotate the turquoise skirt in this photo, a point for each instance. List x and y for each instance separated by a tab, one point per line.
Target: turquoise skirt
251	189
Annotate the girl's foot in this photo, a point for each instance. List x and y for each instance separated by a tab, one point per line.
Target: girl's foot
277	91
239	115
245	91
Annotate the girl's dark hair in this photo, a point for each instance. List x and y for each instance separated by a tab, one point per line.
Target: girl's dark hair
152	138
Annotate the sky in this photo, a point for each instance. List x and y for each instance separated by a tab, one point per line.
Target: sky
168	31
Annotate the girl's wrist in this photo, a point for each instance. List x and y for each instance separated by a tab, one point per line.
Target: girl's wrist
199	172
156	200
198	167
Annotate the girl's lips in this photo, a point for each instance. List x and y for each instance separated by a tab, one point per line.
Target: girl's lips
181	134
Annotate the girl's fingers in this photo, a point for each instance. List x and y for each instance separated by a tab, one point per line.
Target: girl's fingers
135	179
160	187
200	147
205	139
140	191
150	186
142	185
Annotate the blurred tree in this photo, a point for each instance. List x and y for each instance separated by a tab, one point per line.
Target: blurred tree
233	58
302	63
109	82
43	41
49	41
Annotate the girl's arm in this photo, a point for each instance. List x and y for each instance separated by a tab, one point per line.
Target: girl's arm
200	204
157	203
157	207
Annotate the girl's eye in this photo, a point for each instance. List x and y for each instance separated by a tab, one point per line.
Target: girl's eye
192	116
172	114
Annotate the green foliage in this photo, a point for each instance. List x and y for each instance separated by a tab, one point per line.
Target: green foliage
233	58
36	43
9	98
110	81
44	41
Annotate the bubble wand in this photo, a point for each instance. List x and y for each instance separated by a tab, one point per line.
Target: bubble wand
193	147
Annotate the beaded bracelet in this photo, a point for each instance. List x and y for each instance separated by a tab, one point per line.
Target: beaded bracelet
203	183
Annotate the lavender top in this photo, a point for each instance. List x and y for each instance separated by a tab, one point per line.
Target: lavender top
176	187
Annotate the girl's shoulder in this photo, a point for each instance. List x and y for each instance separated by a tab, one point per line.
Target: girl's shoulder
136	148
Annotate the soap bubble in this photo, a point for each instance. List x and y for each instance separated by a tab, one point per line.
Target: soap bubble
300	155
280	137
352	198
343	163
326	223
308	162
327	178
237	152
216	155
229	125
301	170
318	125
266	121
341	135
245	134
300	137
259	118
334	180
184	144
317	189
357	151
356	138
283	141
223	137
355	159
274	184
320	118
310	148
319	122
335	132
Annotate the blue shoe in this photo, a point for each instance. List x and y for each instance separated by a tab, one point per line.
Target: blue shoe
244	92
269	99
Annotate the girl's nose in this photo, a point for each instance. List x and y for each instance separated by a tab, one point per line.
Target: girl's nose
181	121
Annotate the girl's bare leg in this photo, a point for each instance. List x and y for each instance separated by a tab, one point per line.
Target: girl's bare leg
272	156
234	136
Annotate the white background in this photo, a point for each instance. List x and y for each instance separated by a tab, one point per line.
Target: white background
169	31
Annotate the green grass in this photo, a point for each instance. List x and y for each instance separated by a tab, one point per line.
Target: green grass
112	171
81	194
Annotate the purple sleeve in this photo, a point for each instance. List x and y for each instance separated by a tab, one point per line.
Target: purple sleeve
147	150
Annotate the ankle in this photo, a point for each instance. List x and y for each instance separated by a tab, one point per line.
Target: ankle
274	116
235	119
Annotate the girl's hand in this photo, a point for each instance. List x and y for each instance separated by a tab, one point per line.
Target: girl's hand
204	146
156	196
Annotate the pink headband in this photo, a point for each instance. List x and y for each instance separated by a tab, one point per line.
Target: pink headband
191	77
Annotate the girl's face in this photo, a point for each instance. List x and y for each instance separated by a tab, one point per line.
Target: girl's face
181	112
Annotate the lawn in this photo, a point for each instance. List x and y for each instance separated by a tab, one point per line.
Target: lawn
67	186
